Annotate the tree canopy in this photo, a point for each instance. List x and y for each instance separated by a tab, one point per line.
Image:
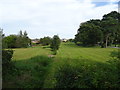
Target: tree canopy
45	41
55	43
16	41
104	32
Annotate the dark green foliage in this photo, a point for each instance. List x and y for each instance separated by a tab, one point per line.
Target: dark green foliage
9	41
55	44
7	65
6	57
109	28
45	41
16	41
115	61
23	40
86	75
105	31
71	40
89	34
115	54
29	73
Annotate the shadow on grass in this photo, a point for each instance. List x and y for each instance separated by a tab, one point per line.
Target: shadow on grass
29	73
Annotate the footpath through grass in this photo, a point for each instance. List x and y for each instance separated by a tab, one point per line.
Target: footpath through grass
73	66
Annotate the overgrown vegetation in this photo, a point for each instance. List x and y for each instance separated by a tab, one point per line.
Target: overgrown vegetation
27	72
86	75
6	57
84	68
116	63
7	65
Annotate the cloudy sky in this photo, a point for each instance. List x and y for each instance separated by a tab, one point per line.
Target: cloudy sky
50	17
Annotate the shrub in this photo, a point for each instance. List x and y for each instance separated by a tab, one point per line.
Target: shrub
6	57
55	44
86	75
116	63
45	41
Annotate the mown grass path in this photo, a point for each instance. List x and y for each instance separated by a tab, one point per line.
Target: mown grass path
70	50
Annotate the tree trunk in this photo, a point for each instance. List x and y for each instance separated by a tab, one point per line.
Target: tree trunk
106	42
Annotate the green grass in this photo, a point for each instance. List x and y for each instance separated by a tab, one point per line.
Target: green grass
71	51
29	69
35	69
27	53
91	58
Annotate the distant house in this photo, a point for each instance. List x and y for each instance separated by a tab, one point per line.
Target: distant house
64	40
35	41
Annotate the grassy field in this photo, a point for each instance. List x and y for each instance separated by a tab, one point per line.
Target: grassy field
35	69
70	50
27	53
30	67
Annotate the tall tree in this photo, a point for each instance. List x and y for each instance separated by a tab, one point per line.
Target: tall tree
55	43
20	33
22	40
9	41
106	30
89	34
109	25
25	34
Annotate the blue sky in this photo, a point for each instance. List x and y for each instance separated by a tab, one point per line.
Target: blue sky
98	4
49	17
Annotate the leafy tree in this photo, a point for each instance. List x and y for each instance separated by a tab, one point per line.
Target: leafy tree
55	43
25	34
20	33
22	40
109	25
71	40
89	34
105	31
16	41
9	41
45	41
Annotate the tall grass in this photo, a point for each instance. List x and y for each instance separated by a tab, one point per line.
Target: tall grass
30	68
80	67
73	66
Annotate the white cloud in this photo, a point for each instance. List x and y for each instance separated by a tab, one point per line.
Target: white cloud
48	17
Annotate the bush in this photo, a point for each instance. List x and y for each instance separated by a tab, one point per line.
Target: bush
45	41
6	57
55	44
97	75
115	61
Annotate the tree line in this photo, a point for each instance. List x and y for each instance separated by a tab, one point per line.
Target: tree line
23	41
102	32
16	41
54	42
